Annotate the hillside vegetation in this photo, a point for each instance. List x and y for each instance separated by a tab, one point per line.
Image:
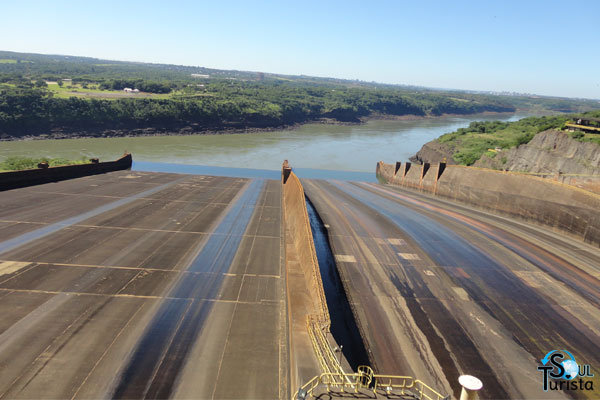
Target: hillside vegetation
467	145
25	110
41	93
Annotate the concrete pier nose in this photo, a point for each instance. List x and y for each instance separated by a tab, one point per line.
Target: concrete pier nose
470	387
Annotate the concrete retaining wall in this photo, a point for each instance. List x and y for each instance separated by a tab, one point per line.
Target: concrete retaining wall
305	295
589	183
562	207
298	223
30	177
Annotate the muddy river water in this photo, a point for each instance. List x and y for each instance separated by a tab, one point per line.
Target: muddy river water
315	146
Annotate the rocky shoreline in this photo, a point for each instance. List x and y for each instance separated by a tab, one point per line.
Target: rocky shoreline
58	133
433	152
549	152
412	117
63	133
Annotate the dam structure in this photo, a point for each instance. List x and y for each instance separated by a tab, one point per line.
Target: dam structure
117	283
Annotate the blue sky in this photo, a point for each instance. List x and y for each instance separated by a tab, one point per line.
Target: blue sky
522	46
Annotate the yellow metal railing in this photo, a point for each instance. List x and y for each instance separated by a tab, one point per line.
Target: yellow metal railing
591	128
316	345
366	379
400	384
318	329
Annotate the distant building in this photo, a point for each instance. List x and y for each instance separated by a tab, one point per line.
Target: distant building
128	90
200	76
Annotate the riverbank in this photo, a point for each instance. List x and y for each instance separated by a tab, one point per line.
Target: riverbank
412	117
56	134
486	144
60	133
342	147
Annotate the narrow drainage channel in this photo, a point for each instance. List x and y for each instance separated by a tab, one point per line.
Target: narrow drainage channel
343	325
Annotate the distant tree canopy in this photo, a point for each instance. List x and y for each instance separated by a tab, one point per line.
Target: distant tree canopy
225	99
144	86
27	109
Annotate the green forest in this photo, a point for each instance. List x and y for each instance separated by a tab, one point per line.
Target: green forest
39	93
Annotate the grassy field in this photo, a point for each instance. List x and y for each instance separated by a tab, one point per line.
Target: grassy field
7	61
93	91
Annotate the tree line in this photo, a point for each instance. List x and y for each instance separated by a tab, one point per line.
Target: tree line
236	99
32	109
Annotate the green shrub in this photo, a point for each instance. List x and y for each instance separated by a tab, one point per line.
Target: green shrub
19	163
576	134
469	144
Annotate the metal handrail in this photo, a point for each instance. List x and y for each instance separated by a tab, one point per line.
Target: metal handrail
386	383
592	128
316	346
317	329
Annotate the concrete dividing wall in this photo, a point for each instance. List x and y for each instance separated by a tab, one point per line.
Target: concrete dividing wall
298	223
562	207
386	173
306	297
411	176
30	177
428	180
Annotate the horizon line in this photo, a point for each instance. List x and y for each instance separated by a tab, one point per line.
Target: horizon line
474	91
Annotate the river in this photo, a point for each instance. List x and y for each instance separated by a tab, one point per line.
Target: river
314	146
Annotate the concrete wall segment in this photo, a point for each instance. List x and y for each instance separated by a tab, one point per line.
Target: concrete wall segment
565	208
305	294
30	177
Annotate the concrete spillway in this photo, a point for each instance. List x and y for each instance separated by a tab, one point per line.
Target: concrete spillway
154	285
343	328
442	290
142	285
